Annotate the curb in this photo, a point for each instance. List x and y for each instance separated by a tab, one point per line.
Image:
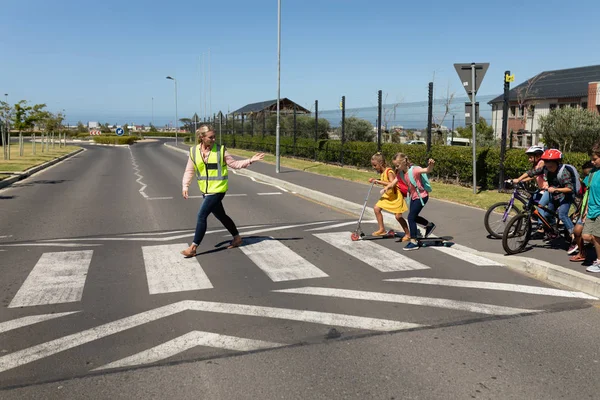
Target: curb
539	269
9	181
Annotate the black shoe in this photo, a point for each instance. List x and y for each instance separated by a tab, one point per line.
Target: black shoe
429	228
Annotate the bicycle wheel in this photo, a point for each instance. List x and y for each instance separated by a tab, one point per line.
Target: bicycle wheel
517	234
497	216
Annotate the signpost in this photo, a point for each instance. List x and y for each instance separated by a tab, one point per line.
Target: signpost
120	132
471	76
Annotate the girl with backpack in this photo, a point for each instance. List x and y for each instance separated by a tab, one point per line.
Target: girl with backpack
417	182
391	200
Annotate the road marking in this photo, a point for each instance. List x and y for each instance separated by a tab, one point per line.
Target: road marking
30	320
413	300
278	261
235	195
129	238
52	244
457	251
137	172
186	342
167	271
278	228
508	287
268	194
56	278
159	233
323	228
379	257
55	346
159	198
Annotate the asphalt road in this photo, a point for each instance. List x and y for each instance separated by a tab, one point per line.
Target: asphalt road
97	303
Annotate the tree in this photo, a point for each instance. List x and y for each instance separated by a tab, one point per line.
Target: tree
104	128
483	131
358	130
570	129
81	127
153	128
5	116
526	94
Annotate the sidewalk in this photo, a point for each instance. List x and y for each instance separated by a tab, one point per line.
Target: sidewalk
463	223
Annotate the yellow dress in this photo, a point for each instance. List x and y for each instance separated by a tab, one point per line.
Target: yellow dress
392	201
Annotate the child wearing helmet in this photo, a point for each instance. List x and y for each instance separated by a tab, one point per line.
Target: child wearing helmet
542	197
561	185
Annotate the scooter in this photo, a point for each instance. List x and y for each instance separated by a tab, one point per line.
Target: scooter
358	234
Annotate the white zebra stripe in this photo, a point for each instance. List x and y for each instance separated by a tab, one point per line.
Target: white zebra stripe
168	271
56	278
278	261
379	257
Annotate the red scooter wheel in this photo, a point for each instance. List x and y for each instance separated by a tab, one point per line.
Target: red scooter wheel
354	236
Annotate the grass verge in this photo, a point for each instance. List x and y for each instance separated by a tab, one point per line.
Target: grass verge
19	163
442	191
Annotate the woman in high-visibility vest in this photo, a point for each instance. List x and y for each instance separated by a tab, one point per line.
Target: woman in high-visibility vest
209	162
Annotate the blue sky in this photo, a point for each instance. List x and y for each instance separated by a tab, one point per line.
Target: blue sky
106	60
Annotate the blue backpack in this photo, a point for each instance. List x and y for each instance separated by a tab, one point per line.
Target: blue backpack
424	181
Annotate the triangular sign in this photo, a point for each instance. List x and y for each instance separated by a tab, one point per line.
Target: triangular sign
465	75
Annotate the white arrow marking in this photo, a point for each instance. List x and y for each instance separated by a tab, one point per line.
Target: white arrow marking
508	287
56	278
186	342
379	257
47	349
278	228
278	261
167	271
413	300
30	320
323	228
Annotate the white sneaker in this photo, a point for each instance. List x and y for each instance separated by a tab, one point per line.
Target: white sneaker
595	267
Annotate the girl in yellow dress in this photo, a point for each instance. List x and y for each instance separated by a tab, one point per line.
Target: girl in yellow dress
391	201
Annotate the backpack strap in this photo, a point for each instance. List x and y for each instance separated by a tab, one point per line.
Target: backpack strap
413	181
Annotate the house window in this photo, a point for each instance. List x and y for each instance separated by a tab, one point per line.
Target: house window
521	111
552	107
584	104
513	111
574	105
561	106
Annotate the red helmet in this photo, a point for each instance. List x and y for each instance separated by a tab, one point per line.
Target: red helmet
552	155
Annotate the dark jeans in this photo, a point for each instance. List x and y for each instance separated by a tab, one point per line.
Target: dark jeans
414	218
213	204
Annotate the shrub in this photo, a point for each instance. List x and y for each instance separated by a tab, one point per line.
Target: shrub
129	140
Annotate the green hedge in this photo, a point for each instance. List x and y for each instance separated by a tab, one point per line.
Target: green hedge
115	139
453	163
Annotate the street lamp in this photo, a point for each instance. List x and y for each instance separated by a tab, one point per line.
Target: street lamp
277	154
176	120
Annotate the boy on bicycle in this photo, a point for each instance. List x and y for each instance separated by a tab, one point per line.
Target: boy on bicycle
561	185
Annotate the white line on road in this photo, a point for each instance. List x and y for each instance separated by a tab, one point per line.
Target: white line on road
30	320
323	228
278	228
158	233
236	195
508	287
52	347
278	261
186	342
480	308
457	251
159	198
377	256
56	278
52	244
167	271
268	194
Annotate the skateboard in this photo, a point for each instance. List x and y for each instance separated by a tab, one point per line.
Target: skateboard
445	241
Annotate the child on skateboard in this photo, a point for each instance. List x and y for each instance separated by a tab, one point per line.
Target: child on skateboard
391	199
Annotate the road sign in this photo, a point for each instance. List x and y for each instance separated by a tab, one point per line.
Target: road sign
469	113
95	133
120	131
465	75
509	78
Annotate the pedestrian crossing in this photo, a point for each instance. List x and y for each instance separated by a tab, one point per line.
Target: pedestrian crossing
60	276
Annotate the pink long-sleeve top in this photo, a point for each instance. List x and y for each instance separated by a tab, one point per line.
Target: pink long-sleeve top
231	163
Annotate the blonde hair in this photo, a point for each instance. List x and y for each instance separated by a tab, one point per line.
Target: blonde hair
203	130
401	157
379	158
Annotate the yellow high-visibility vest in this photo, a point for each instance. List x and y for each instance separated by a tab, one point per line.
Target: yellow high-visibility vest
211	175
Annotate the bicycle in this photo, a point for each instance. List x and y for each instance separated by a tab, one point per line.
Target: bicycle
505	210
518	231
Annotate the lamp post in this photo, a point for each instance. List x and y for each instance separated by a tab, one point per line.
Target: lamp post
277	154
176	120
